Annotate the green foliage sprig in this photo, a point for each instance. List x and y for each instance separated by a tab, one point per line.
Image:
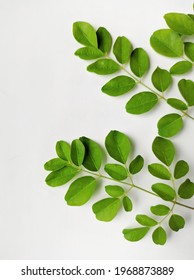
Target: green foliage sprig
84	159
135	63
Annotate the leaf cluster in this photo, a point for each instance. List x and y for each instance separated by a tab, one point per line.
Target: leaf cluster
132	64
85	156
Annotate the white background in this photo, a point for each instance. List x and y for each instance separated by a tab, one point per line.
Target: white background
47	95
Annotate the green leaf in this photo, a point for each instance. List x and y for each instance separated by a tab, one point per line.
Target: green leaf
135	234
118	145
104	67
164	150
170	125
114	191
141	103
85	34
55	164
186	88
93	154
167	42
63	150
181	67
181	169
106	209
176	222
161	79
177	104
189	50
159	170
145	220
80	191
139	62
122	49
164	191
186	189
116	171
180	23
159	236
136	165
89	53
61	176
104	40
118	85
160	210
127	204
77	152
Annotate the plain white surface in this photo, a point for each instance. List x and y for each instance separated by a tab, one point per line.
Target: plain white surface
47	95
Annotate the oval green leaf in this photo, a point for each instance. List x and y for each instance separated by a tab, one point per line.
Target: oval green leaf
118	145
181	169
63	150
136	165
181	67
122	49
180	23
77	152
177	104
85	34
167	42
176	222
93	154
160	171
186	88
118	86
127	204
164	150
159	236
135	234
141	103
161	79
160	210
139	62
104	67
55	164
189	50
88	53
80	191
61	176
104	40
114	191
186	189
170	125
164	191
116	171
106	209
145	220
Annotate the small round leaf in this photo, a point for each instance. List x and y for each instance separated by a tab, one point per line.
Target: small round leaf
186	189
118	85
127	204
159	236
104	66
167	42
170	125
161	79
160	210
176	222
164	150
164	191
114	191
141	103
135	234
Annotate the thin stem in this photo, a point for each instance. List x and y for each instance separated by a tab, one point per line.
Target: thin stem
99	175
